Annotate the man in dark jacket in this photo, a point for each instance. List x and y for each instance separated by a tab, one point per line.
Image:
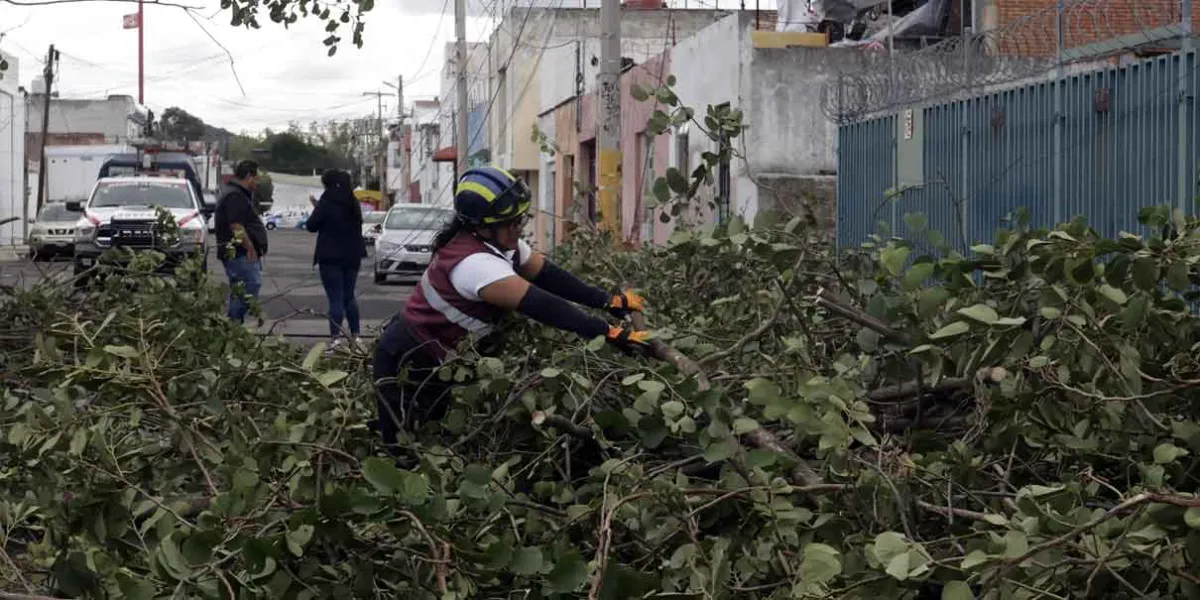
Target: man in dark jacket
241	238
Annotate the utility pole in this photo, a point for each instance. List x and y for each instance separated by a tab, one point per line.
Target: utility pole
400	158
141	53
379	133
609	83
461	143
48	75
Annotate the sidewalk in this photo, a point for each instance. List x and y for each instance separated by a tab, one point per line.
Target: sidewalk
309	328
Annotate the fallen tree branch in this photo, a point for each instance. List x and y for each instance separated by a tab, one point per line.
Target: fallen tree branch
911	389
832	305
663	352
1134	502
563	423
763	327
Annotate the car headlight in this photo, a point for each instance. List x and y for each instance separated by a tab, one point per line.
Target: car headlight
193	235
85	233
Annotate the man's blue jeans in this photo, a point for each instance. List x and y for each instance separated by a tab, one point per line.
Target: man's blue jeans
247	276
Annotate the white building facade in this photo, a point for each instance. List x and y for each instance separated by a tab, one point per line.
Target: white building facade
14	201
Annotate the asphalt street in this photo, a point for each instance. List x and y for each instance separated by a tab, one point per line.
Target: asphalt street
292	298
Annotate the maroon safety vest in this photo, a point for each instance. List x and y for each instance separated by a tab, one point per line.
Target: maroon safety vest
437	314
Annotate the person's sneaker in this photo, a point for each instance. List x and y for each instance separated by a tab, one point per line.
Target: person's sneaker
334	345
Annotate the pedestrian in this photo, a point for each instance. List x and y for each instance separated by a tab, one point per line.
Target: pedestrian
480	271
241	238
337	220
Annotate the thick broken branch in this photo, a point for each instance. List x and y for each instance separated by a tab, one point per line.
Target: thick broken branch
830	304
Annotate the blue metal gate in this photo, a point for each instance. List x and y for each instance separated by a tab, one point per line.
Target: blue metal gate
1127	138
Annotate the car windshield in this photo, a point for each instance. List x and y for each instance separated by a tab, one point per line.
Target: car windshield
56	212
165	194
373	217
418	218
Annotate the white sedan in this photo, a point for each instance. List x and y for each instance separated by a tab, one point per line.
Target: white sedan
405	243
372	225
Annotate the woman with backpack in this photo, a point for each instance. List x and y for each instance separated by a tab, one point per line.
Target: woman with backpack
337	221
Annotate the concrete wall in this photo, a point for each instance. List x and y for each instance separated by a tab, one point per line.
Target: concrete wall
118	119
13	199
711	68
547	52
477	94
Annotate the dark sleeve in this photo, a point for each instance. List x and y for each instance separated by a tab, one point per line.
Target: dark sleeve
551	310
319	215
562	283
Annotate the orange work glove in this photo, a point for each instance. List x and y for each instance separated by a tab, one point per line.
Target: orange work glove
628	340
626	302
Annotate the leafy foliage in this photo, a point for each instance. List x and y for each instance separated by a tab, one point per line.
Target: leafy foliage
901	421
150	447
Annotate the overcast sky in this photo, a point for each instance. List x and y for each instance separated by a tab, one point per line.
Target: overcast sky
286	73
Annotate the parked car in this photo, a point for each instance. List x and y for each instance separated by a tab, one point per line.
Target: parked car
404	245
272	221
122	212
372	225
52	233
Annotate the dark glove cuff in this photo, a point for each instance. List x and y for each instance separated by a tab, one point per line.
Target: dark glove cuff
551	310
558	281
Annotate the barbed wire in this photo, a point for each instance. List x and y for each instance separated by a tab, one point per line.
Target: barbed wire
1025	48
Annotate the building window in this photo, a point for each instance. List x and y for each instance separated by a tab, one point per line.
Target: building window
648	199
681	150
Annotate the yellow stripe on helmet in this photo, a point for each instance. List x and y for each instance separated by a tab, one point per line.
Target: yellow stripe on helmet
510	176
478	188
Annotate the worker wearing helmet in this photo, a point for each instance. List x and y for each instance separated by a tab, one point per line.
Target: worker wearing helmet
481	271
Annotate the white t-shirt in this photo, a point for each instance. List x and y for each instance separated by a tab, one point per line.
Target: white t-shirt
482	269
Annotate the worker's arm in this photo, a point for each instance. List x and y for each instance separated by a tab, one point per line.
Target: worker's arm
514	293
543	273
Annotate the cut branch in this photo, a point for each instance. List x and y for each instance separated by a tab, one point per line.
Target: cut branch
824	301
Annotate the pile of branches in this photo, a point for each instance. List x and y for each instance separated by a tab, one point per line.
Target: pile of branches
1018	421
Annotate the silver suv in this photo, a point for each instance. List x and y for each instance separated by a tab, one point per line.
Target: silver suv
123	212
52	233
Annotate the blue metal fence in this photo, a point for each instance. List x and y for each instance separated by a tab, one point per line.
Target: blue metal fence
1127	138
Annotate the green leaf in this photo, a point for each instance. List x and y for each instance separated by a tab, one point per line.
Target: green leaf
917	274
569	572
889	545
1115	295
742	425
1177	276
122	351
639	93
673	409
898	567
1167	453
415	489
314	354
1192	517
762	391
980	313
820	564
954	329
298	538
527	561
719	451
383	474
79	442
1145	273
983	249
893	258
172	559
957	590
632	379
662	192
328	378
676	181
974	558
930	301
135	588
